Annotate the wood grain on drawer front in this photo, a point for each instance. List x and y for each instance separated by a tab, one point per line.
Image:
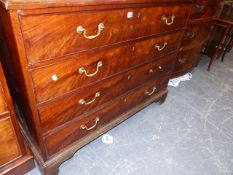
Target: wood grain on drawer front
122	104
56	79
187	60
64	109
203	9
9	148
53	35
195	35
3	105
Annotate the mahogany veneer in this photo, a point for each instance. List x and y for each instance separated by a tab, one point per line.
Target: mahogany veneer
78	68
46	28
197	34
114	60
15	158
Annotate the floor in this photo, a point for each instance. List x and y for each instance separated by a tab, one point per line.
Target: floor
190	134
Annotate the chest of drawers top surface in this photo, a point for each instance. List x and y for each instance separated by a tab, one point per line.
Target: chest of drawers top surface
33	4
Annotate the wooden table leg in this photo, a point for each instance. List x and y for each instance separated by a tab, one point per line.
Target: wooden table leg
228	48
213	58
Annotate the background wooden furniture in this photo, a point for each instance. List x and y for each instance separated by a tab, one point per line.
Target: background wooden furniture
221	36
76	69
15	158
197	35
228	45
226	15
223	42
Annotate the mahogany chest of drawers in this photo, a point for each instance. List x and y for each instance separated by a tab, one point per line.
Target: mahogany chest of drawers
79	68
15	158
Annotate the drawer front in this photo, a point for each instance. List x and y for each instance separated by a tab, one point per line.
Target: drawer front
195	35
9	148
81	128
187	60
52	35
3	105
61	110
54	80
203	9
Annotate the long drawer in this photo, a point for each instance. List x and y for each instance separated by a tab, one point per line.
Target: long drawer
81	128
203	9
53	35
61	110
195	35
65	76
187	60
9	146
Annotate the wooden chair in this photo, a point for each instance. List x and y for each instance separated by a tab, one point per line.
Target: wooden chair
222	44
220	39
228	45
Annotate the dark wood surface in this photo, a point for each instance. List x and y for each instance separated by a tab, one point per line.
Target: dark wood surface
63	109
114	61
204	9
33	4
70	88
9	148
72	132
45	32
14	154
221	34
3	105
51	166
187	60
197	35
19	81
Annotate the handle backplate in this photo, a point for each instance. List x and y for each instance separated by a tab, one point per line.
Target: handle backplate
182	60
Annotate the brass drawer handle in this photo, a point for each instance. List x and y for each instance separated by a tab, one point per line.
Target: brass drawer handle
81	29
83	102
200	8
182	60
160	48
82	70
84	127
165	19
191	35
150	93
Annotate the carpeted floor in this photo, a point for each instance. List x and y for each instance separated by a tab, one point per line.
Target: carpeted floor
190	134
